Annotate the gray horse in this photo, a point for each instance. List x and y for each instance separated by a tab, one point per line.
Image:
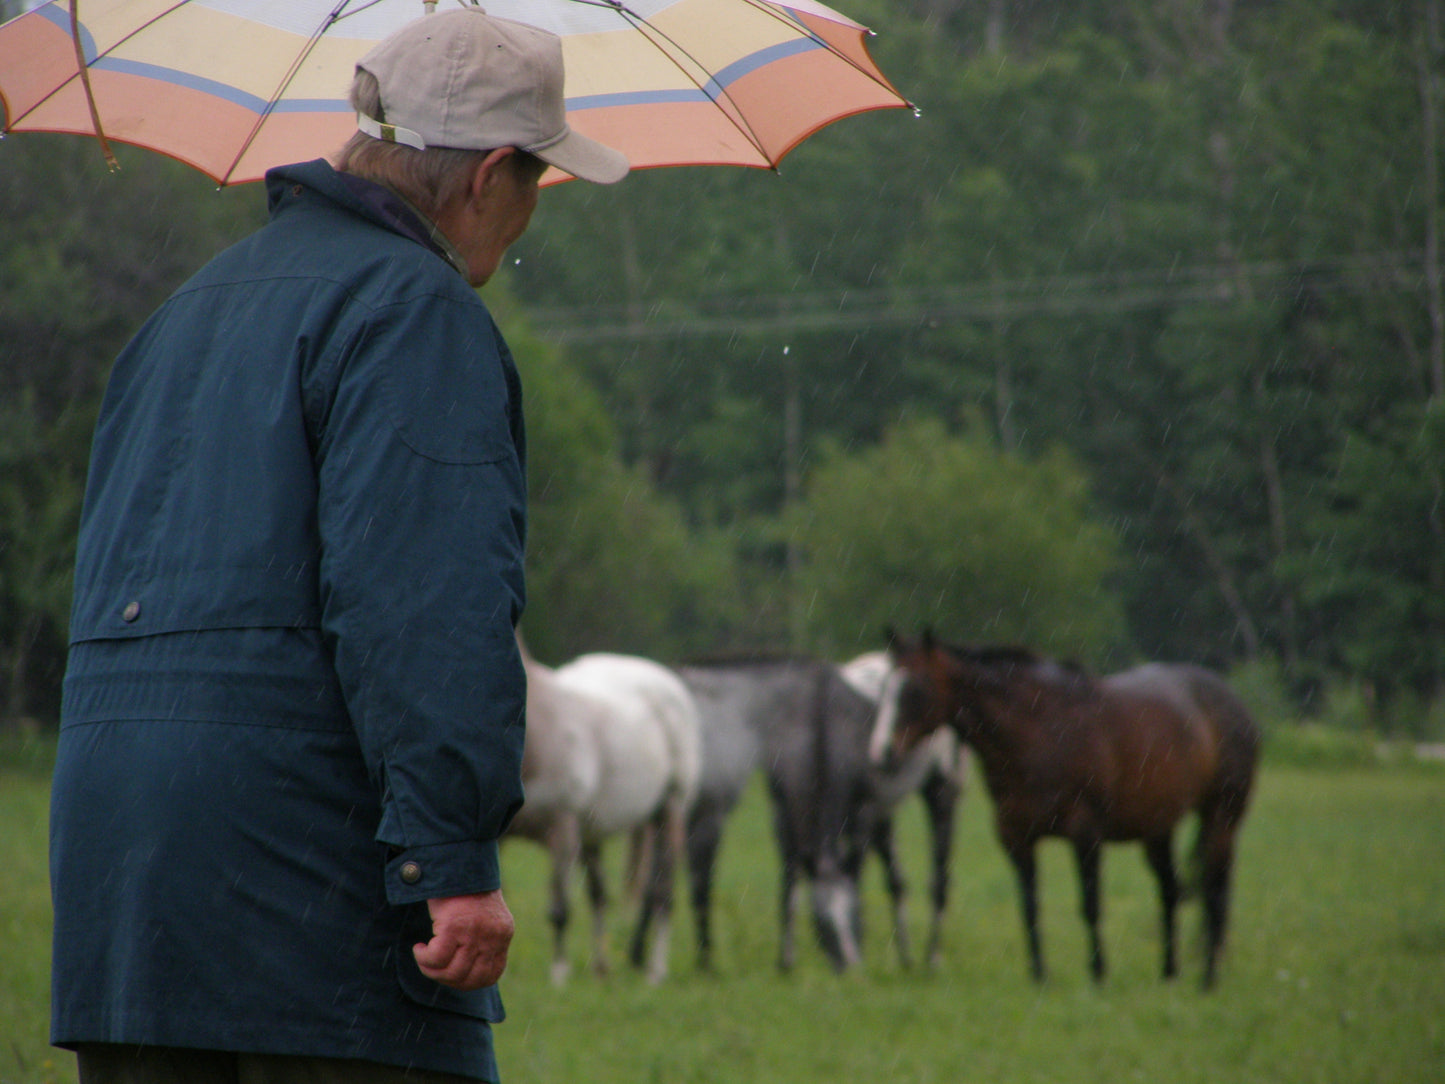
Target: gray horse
806	726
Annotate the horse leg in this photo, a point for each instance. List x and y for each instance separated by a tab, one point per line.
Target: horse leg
639	860
1160	852
940	795
668	831
1217	854
597	893
1022	856
897	885
704	835
563	841
1087	854
642	855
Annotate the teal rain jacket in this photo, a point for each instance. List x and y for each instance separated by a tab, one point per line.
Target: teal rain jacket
293	707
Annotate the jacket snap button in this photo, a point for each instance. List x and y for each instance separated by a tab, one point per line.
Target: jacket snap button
131	611
410	872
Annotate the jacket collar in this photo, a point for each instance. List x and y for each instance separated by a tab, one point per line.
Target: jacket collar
367	199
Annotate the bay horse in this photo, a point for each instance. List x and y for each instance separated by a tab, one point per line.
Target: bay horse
803	723
1091	760
937	771
612	748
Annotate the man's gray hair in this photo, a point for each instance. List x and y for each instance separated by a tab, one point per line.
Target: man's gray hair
428	179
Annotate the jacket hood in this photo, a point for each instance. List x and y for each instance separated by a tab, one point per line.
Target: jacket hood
317	175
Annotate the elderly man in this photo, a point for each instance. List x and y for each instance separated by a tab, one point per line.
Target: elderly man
293	715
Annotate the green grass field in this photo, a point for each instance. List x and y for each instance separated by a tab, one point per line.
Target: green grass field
1335	972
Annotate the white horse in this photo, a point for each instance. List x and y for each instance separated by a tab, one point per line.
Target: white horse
612	747
938	768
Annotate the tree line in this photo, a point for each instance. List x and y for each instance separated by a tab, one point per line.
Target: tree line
1131	343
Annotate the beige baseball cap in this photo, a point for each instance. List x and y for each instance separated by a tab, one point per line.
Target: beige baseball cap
470	81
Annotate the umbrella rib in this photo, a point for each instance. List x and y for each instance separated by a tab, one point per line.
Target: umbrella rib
661	40
82	64
771	8
343	9
301	54
85	81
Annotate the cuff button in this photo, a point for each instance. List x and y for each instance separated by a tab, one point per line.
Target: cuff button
410	873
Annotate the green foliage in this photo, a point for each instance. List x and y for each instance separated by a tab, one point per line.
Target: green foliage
1260	683
41	486
931	529
610	564
1383	530
1315	746
84	257
88	253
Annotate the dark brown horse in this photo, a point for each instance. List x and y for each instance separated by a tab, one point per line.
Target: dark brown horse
1092	760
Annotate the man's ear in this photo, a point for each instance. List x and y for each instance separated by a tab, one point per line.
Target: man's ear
488	172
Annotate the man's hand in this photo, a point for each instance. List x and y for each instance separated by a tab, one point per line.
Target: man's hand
468	946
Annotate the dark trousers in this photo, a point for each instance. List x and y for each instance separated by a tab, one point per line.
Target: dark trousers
102	1063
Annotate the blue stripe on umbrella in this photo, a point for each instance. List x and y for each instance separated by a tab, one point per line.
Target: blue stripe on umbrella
224	91
60	16
715	87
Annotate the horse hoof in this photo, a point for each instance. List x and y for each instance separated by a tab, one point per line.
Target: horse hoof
561	971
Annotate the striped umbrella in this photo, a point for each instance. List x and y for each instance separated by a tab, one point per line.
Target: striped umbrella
234	87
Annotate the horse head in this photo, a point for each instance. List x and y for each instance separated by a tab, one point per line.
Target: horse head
934	685
913	702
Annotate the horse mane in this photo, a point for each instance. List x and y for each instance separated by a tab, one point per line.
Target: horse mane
996	656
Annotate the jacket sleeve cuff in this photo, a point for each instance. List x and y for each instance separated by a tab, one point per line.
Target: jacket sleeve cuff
442	870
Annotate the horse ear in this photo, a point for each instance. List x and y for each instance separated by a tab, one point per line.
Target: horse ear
890	637
927	639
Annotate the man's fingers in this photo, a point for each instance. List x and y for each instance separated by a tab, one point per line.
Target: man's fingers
470	937
435	955
445	961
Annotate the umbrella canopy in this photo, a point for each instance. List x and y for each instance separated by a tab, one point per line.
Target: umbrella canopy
234	87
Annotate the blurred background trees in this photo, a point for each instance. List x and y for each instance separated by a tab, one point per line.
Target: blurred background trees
1131	344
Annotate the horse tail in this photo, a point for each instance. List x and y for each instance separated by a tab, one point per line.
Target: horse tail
1237	738
1237	734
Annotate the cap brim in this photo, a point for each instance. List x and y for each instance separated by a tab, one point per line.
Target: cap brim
584	158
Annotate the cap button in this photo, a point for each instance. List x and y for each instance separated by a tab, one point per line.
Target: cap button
131	611
410	873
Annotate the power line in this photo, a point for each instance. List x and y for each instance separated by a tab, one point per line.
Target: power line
1069	294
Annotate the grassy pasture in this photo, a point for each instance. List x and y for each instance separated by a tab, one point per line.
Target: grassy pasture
1335	972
